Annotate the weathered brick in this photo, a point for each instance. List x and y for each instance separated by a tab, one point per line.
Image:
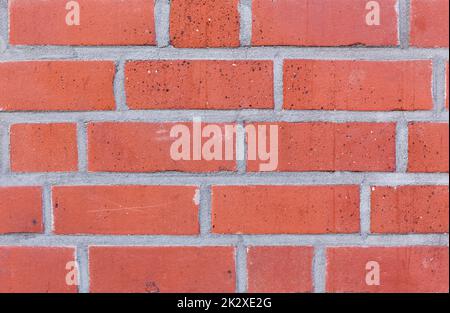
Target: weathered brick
428	147
280	269
141	147
36	270
20	210
356	147
409	209
402	269
285	209
44	147
358	85
199	84
200	23
106	22
57	86
429	23
126	210
323	23
162	269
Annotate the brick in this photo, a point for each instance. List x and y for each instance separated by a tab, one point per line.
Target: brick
428	147
200	23
409	209
355	147
280	269
162	269
322	23
57	86
107	22
358	85
44	147
20	210
285	209
402	269
429	23
199	84
35	270
126	210
141	147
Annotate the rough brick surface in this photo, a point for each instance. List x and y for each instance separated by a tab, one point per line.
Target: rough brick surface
357	85
35	269
410	209
200	23
322	23
168	269
56	86
403	269
104	22
279	269
429	23
199	85
428	147
285	209
141	147
224	145
358	147
139	210
20	210
44	147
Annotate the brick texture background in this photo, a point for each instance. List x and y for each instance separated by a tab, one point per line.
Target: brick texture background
86	173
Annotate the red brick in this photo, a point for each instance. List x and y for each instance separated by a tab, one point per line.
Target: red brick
200	23
428	147
123	210
44	148
429	23
410	209
107	22
35	270
57	86
20	210
356	147
358	85
165	269
199	84
322	23
280	269
402	269
141	147
285	209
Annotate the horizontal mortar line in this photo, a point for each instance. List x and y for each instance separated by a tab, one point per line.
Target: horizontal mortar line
18	53
223	240
225	178
223	116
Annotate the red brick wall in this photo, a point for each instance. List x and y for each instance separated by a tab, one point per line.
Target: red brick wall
92	201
